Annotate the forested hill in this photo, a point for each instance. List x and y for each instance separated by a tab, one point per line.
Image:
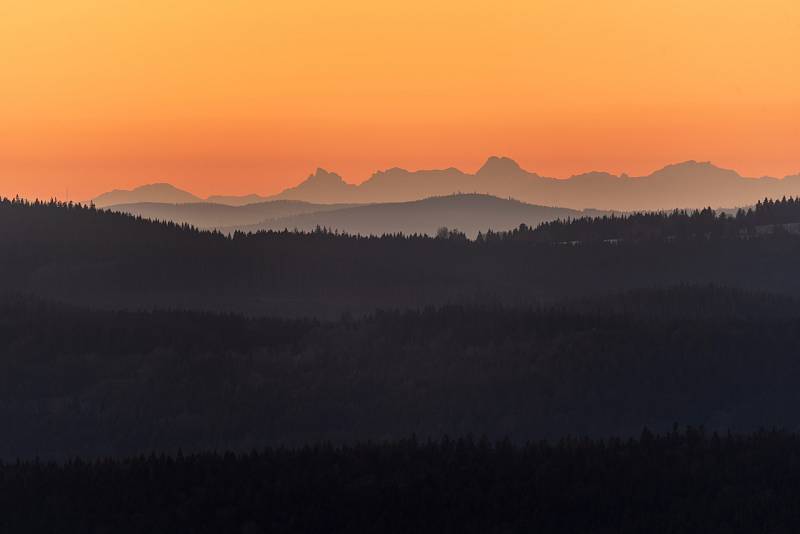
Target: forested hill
87	382
89	256
692	481
766	217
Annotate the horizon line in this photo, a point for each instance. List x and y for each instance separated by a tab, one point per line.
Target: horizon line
623	175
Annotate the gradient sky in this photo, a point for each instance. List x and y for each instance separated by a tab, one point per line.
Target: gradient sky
250	96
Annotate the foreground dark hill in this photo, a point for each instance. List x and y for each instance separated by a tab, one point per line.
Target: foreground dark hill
78	381
768	217
93	257
209	215
678	482
469	213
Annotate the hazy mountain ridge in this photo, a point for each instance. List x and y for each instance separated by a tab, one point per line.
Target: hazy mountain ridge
215	216
322	187
237	200
160	192
690	184
469	213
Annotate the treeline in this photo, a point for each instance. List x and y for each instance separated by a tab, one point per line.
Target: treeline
83	255
767	216
106	383
681	481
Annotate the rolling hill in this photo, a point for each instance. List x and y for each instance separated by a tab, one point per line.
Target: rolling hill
162	193
216	216
469	213
236	200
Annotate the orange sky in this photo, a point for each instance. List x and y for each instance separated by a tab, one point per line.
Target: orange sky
250	96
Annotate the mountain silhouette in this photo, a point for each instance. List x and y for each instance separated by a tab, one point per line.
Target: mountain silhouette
322	186
469	213
146	193
400	185
689	184
500	166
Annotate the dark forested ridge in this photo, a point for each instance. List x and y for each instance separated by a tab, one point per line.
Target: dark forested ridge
767	217
93	382
88	256
692	481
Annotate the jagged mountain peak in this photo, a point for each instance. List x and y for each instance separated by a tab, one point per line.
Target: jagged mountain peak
499	165
322	176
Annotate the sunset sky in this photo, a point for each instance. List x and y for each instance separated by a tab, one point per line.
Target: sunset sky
251	96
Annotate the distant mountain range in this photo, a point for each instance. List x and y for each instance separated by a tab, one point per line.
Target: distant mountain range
689	184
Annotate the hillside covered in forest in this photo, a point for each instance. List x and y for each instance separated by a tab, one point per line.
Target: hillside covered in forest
93	257
87	382
688	480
